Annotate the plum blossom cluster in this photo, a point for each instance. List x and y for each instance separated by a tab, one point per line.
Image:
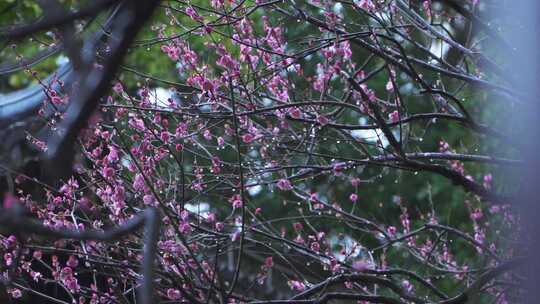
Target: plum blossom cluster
262	190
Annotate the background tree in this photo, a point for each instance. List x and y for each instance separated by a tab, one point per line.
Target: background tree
294	152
